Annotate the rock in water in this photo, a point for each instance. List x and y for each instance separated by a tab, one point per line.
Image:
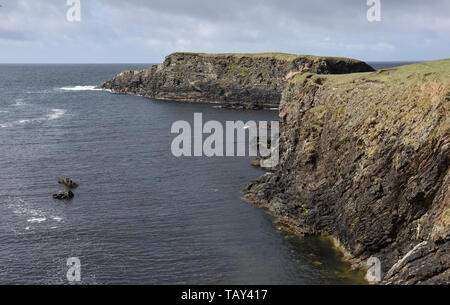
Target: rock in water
255	162
369	155
66	195
245	81
68	182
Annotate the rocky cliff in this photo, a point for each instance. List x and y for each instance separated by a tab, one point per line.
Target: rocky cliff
246	79
364	159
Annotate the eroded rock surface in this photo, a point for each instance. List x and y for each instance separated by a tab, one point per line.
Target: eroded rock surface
367	155
68	182
66	195
250	81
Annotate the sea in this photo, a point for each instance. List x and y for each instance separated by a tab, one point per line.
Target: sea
140	215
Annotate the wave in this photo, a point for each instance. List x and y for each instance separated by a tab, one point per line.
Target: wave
6	125
53	115
29	214
36	219
84	88
56	114
19	103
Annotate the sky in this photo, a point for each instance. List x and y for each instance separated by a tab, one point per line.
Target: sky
138	31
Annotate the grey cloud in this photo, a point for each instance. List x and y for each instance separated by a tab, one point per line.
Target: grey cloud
138	30
6	34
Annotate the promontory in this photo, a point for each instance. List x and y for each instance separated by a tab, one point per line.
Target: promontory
364	154
249	80
364	159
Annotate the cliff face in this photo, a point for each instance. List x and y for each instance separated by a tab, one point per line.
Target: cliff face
256	79
368	154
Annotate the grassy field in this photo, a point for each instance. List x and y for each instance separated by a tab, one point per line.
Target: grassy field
275	55
437	71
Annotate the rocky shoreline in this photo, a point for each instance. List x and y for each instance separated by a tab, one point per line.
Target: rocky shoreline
364	157
368	154
240	81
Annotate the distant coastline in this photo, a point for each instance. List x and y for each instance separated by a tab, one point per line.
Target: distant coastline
249	81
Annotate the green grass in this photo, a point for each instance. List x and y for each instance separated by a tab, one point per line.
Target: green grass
411	96
275	55
438	70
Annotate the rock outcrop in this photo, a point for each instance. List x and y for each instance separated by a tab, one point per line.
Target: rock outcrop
68	182
246	80
66	195
367	156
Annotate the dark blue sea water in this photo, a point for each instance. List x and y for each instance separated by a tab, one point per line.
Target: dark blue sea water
140	215
389	64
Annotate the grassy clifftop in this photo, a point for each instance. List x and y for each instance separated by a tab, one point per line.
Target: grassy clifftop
438	70
368	154
389	98
271	55
247	80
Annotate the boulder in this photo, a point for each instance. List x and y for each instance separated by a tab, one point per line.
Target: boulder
66	195
68	182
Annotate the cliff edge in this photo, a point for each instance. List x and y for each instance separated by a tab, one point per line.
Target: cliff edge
245	79
364	159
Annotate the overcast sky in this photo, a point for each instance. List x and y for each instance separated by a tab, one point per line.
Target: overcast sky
138	31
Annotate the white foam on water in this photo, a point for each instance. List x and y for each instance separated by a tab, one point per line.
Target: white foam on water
36	220
19	103
56	114
84	88
27	211
53	115
56	218
21	207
